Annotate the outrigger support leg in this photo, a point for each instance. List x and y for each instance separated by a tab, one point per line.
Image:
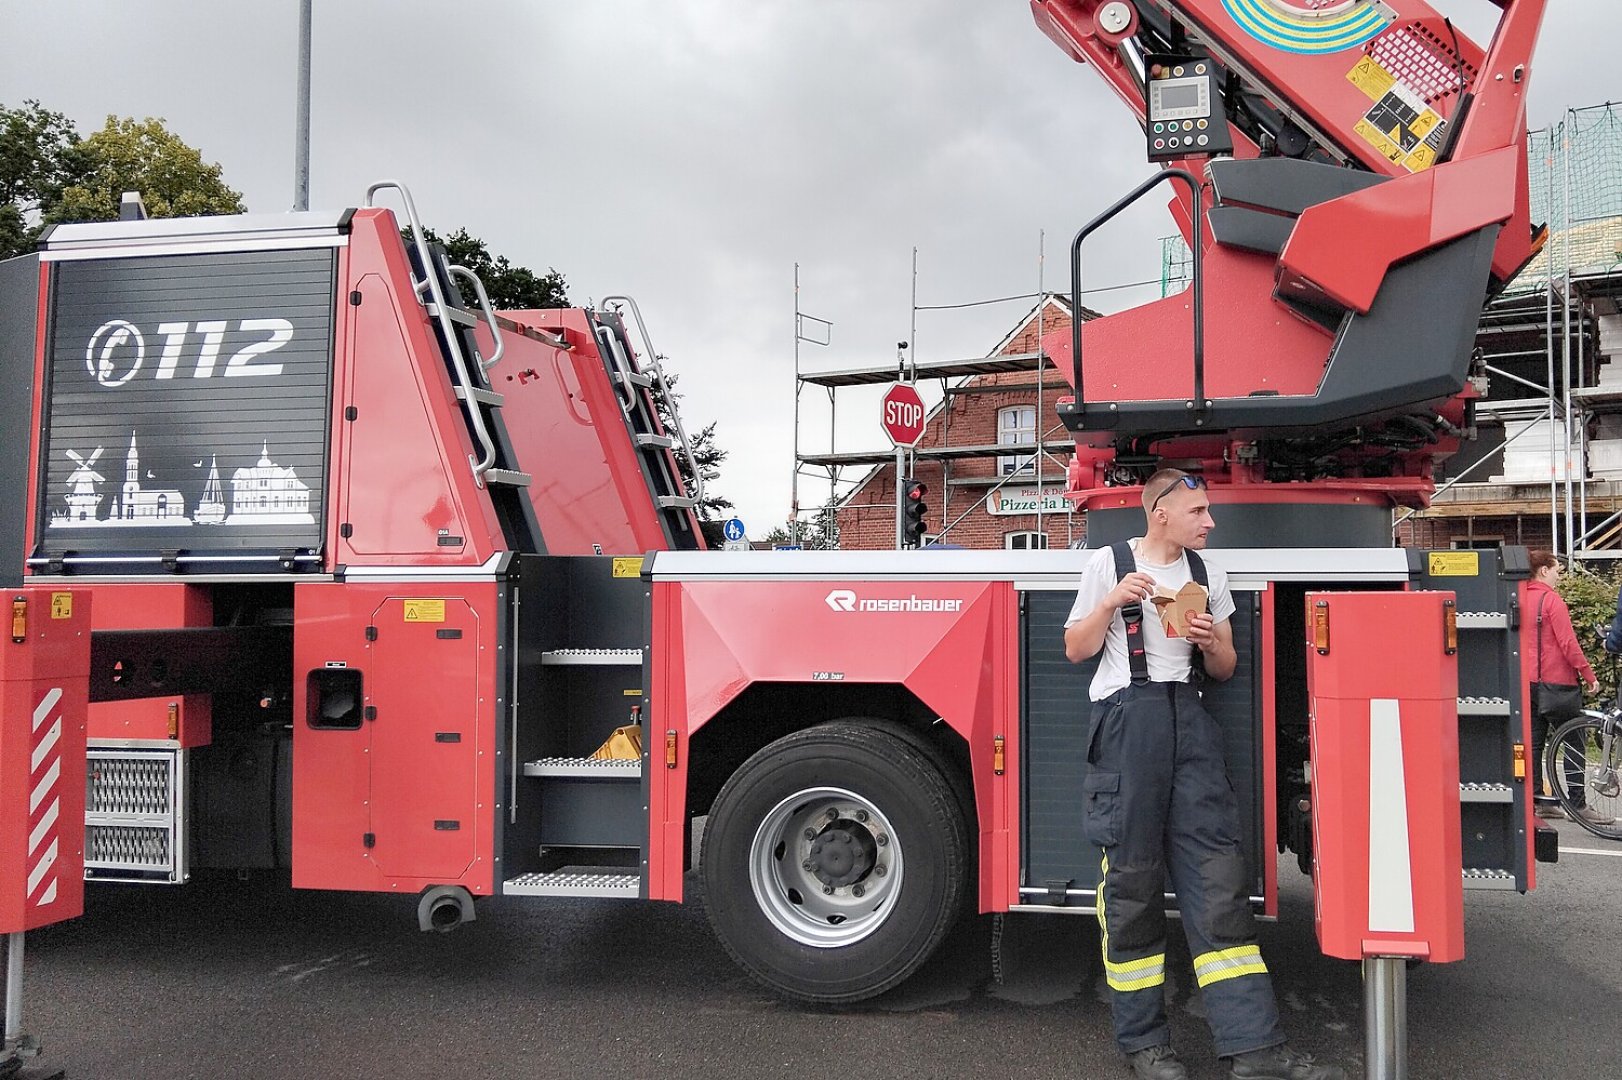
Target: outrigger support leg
1385	1017
17	1048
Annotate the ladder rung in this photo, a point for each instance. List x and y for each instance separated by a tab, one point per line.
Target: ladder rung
509	477
662	442
455	315
675	502
483	397
634	378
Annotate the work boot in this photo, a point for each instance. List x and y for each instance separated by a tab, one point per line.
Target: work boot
1548	812
1590	815
1281	1063
1157	1063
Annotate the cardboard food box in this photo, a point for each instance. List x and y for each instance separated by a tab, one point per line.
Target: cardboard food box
1175	606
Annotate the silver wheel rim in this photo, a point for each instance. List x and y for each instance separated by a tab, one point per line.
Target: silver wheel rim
825	866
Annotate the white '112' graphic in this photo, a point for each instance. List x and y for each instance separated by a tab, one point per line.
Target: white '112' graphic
117	350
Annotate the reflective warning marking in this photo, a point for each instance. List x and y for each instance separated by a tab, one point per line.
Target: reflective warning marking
61	605
628	567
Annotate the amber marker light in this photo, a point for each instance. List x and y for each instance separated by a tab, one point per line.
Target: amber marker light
1450	627
19	620
1320	627
998	756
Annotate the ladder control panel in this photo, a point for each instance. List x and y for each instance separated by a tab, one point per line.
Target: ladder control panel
1185	113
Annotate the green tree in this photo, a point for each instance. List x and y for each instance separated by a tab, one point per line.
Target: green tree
130	155
1591	595
511	288
40	155
709	456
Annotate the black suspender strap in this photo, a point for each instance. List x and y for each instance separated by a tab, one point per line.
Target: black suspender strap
1132	615
1137	659
1196	570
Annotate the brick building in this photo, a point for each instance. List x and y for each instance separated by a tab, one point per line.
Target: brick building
979	453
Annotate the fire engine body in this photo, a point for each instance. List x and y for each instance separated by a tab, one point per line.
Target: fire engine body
375	571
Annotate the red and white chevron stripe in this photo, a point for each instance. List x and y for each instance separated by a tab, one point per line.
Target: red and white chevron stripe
45	800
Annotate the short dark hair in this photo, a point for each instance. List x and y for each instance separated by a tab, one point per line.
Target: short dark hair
1159	486
1541	559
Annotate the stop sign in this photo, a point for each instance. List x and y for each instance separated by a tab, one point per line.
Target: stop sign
902	415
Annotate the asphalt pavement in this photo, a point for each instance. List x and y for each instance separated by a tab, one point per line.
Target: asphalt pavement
223	978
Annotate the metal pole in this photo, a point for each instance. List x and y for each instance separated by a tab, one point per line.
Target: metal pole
794	484
301	148
1039	458
1565	345
900	497
1385	1017
14	991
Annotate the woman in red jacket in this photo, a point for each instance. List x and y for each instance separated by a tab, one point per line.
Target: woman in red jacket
1559	660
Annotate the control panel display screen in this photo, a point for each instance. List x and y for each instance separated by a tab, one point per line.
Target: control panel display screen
1180	99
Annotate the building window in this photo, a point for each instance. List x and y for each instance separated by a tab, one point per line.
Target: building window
1016	426
1479	542
1025	541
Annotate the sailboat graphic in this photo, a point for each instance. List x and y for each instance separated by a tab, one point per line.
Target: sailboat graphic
211	511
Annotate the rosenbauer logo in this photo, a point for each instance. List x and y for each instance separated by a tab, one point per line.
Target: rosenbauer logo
846	600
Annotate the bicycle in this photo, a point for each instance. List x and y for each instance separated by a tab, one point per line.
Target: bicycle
1582	764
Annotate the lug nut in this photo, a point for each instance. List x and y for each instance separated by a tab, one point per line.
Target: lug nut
882	839
833	814
861	815
806	866
828	889
857	890
881	870
810	834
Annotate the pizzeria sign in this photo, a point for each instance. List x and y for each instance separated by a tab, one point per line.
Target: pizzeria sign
1027	500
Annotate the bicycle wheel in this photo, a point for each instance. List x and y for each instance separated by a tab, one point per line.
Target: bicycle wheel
1583	766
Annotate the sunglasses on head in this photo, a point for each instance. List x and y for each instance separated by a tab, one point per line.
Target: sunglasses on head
1192	483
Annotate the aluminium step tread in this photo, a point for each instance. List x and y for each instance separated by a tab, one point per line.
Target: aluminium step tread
591	656
1476	877
606	882
1483	706
587	768
1486	793
1482	620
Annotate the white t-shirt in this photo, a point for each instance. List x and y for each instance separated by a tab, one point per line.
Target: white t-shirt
1168	658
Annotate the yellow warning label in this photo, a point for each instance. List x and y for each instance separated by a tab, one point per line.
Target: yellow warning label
1368	76
1455	564
634	693
628	567
425	611
61	605
1399	125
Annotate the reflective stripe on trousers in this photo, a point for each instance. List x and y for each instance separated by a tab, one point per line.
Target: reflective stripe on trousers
1159	802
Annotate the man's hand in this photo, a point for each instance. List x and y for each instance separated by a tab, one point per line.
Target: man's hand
1200	631
1593	684
1136	587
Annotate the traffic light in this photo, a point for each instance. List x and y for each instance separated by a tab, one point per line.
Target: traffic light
913	509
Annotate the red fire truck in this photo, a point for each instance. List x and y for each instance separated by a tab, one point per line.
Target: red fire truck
361	573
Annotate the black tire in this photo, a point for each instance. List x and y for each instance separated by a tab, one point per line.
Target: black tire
899	877
1581	744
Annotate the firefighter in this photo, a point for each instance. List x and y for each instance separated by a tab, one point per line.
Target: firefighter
1158	797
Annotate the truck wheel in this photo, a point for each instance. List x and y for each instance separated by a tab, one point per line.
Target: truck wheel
834	862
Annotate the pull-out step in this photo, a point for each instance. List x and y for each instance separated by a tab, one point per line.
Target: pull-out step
606	882
592	656
584	768
1480	878
1486	793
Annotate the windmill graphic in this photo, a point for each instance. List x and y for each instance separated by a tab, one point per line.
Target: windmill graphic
83	499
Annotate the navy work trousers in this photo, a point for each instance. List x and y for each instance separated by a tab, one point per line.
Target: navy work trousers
1159	800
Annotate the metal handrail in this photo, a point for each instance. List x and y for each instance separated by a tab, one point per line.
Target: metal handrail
484	463
652	359
485	310
1198	404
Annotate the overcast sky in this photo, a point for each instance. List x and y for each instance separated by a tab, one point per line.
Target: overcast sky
689	153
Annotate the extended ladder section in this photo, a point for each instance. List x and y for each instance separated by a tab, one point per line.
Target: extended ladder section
638	377
494	461
576	824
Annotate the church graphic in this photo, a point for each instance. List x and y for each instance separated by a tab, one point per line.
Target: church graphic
264	493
